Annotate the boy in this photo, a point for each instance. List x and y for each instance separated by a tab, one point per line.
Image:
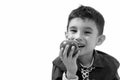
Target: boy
85	25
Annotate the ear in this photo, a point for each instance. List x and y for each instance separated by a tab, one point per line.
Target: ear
66	35
100	40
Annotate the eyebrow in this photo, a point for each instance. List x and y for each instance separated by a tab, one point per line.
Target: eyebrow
73	27
89	28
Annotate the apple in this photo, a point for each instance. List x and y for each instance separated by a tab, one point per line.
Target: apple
70	43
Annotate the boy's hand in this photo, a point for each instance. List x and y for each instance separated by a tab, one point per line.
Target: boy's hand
69	60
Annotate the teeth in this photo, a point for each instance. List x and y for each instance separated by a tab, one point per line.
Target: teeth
80	46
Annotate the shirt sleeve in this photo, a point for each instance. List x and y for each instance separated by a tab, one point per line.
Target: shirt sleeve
64	77
56	73
116	77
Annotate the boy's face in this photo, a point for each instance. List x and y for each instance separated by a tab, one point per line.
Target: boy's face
86	33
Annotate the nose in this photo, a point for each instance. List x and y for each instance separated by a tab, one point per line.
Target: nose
79	35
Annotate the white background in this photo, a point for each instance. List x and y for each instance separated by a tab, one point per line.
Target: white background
31	31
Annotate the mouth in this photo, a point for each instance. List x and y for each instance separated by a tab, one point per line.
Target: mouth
81	46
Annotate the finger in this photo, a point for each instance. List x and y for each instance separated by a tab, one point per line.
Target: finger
72	51
76	56
65	51
61	53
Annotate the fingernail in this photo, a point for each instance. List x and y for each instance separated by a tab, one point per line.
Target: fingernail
62	48
67	45
73	47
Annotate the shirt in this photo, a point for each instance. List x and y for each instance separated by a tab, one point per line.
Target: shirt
105	68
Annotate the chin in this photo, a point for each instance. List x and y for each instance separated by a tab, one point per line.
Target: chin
81	53
84	52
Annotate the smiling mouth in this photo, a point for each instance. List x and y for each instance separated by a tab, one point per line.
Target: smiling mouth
81	46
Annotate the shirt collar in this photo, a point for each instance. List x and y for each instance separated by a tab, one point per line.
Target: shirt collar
97	59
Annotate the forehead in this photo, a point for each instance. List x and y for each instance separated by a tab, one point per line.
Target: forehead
82	24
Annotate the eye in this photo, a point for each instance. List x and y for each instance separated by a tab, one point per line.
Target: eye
73	31
87	32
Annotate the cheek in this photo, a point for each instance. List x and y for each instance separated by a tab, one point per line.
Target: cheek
91	41
70	36
87	37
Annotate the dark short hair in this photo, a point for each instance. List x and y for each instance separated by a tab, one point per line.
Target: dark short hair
86	12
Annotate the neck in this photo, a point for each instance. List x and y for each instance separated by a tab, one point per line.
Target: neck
86	59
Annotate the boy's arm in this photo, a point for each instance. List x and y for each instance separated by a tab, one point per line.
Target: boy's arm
57	74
